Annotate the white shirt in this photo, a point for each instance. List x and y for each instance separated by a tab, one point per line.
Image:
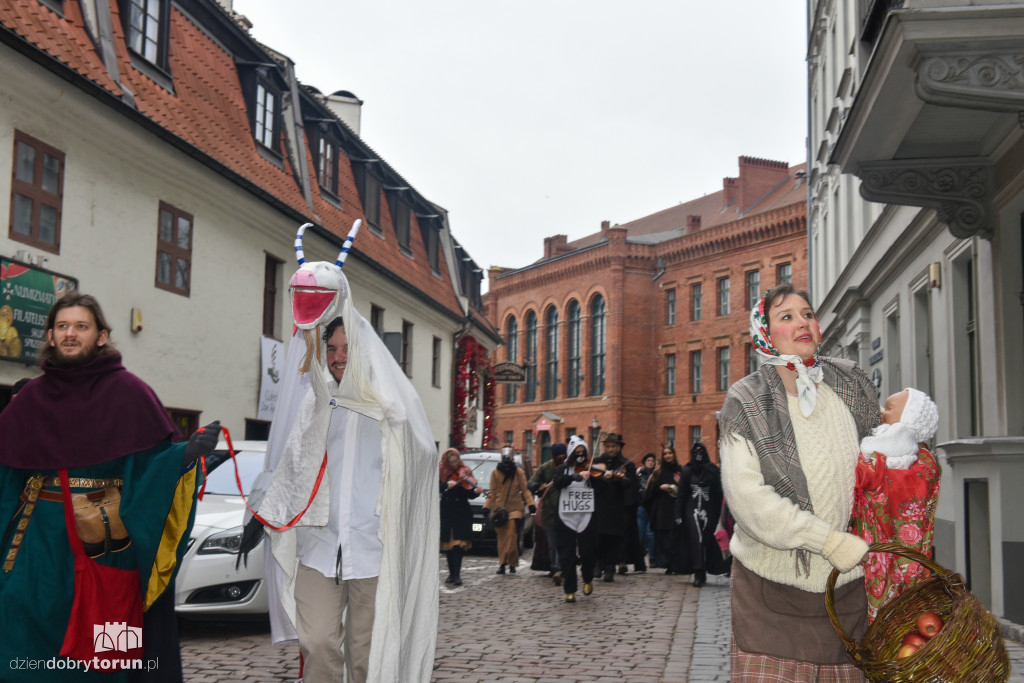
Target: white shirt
354	464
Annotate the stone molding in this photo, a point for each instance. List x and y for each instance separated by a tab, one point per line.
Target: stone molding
990	80
959	189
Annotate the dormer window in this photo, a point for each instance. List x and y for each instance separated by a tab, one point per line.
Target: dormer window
368	185
266	110
327	165
400	218
146	29
431	240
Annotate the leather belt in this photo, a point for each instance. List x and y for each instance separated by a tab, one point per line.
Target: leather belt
34	492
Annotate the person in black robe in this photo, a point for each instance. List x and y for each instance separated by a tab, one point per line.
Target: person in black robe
699	505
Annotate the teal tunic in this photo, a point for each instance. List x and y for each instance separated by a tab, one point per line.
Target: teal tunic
157	507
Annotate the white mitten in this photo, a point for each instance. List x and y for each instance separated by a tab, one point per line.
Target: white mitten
844	551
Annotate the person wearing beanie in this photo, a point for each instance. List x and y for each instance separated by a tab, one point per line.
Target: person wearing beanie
896	494
545	550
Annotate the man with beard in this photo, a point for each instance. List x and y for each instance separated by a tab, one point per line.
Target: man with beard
89	417
613	480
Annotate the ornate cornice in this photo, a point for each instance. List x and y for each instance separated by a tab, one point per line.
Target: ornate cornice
990	80
959	189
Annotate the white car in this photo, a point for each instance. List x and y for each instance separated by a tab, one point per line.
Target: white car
208	585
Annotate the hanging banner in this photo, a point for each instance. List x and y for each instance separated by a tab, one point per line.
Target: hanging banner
512	373
27	294
271	367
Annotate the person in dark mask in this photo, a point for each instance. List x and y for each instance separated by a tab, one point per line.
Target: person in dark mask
699	505
508	491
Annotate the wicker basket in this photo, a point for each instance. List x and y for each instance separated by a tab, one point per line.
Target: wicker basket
968	648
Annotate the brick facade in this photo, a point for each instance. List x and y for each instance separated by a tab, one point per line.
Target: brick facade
757	223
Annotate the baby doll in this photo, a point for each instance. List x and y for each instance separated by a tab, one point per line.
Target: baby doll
896	493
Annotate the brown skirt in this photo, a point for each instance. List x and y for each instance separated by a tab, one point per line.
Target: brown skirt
782	621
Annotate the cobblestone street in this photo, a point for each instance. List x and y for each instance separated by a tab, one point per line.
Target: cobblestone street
642	627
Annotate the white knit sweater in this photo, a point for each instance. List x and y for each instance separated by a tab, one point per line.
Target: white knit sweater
770	527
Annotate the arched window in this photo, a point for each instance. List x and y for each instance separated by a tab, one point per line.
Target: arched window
531	357
597	337
551	358
575	349
512	350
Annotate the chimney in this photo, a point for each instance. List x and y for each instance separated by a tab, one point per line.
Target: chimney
605	225
692	224
556	245
346	107
758	177
731	191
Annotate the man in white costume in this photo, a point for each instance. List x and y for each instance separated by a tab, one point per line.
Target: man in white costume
366	545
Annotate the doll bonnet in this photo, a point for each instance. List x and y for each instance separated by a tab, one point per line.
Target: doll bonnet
920	414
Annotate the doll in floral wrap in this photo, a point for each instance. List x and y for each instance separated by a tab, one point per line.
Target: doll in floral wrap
896	493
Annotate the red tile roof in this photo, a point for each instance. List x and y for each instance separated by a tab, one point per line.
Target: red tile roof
207	110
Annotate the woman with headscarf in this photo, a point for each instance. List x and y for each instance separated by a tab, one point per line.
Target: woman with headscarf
575	523
660	499
790	441
699	505
458	486
508	492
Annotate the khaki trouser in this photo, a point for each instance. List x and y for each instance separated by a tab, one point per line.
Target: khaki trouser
328	642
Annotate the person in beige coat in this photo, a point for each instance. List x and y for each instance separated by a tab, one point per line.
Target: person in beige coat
508	491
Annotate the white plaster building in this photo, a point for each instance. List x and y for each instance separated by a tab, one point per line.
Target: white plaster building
166	169
916	184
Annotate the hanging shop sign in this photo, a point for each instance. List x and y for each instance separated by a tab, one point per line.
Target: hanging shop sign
510	372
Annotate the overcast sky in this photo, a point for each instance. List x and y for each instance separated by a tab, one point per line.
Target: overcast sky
535	118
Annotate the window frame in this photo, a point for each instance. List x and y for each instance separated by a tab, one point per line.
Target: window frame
697	301
723	290
512	355
598	341
575	342
783	268
696	360
670	306
162	42
259	123
327	169
369	186
753	288
724	354
271	278
36	194
400	220
551	359
407	347
173	250
435	363
670	374
530	360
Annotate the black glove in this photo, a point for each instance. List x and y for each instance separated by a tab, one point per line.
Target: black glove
533	509
252	534
202	442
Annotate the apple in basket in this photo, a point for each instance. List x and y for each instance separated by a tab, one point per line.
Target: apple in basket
914	638
928	624
906	650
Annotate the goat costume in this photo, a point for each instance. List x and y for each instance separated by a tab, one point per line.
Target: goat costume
405	622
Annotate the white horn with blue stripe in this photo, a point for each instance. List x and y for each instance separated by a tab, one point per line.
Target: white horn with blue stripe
348	243
298	242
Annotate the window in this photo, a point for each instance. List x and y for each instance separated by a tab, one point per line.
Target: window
753	288
400	218
512	355
695	372
694	434
432	241
174	250
965	347
784	273
597	341
892	350
435	365
377	319
528	445
146	29
923	379
37	190
695	297
271	274
575	349
723	296
723	368
551	375
670	436
369	194
266	108
531	357
670	307
670	374
753	361
327	164
508	437
406	348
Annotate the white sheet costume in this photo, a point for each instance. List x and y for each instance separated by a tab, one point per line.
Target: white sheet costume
374	387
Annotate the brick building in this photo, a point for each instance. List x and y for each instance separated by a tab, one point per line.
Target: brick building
640	328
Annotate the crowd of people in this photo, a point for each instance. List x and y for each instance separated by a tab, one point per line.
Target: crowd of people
601	514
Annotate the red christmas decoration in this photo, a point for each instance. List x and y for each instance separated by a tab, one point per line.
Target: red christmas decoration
472	370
